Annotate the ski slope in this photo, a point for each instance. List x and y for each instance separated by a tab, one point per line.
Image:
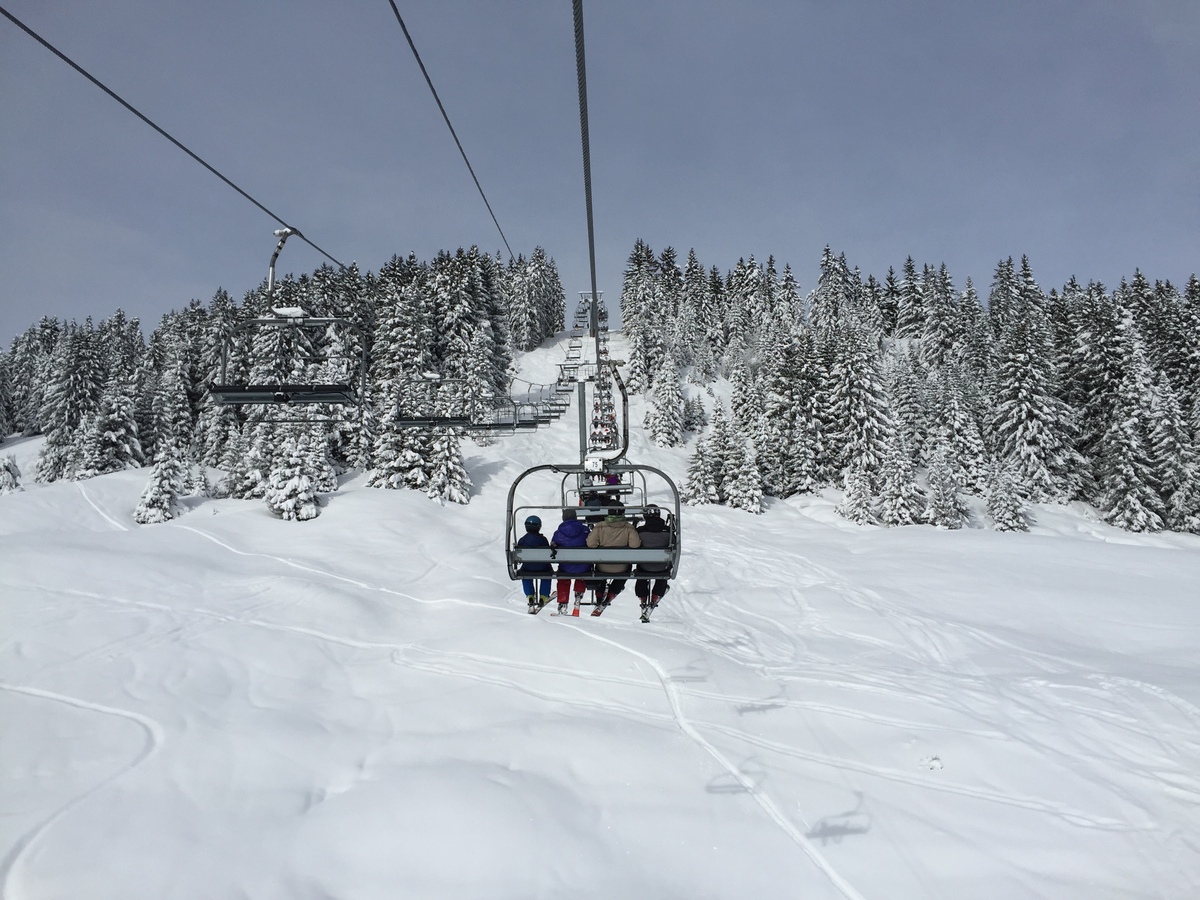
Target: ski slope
228	705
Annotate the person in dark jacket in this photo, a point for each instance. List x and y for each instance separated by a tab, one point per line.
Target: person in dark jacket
654	534
533	537
571	533
614	532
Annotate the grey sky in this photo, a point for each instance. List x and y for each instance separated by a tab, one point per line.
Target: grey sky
955	131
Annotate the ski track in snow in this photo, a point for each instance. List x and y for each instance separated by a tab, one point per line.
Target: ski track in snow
746	783
155	737
94	506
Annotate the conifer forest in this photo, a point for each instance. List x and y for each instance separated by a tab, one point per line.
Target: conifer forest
907	392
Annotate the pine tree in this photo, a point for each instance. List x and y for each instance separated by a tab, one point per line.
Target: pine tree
946	506
939	334
1004	503
290	494
859	402
694	417
247	476
900	501
112	441
724	452
1128	498
10	475
702	483
856	497
744	488
448	478
910	313
1031	428
664	419
71	394
160	500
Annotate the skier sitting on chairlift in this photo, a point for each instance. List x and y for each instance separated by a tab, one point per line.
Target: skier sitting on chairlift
655	535
614	532
533	537
571	533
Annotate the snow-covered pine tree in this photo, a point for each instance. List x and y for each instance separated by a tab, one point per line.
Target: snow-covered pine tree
448	478
664	418
910	313
10	475
1128	498
939	334
960	433
1031	428
290	493
1184	513
71	394
694	417
889	302
856	497
160	500
319	465
637	310
28	365
946	508
1004	298
859	401
216	426
6	400
899	498
974	349
744	488
113	444
249	468
1004	504
701	486
722	451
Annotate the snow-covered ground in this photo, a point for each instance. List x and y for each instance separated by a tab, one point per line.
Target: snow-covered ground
229	705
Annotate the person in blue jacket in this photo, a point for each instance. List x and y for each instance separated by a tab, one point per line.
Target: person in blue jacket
571	533
533	537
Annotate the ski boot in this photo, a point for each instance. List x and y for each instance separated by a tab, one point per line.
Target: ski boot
533	605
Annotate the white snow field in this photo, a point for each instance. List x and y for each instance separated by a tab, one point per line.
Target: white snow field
233	706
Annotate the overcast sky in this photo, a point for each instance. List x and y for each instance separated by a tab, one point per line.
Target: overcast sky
953	131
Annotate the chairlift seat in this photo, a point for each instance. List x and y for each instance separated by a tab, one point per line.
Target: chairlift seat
247	394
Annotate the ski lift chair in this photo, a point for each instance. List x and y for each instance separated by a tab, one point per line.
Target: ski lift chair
648	487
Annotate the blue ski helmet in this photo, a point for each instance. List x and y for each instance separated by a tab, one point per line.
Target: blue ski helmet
533	523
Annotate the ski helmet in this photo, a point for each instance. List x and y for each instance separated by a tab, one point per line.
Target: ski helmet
533	523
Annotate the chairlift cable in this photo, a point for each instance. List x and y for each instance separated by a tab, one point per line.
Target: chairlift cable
581	72
453	134
129	106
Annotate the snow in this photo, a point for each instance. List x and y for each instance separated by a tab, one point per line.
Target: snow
358	706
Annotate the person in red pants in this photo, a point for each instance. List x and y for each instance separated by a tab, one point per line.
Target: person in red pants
571	533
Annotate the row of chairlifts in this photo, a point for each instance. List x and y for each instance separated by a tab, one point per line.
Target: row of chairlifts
431	400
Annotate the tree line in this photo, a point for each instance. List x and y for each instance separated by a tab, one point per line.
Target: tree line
108	399
911	393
